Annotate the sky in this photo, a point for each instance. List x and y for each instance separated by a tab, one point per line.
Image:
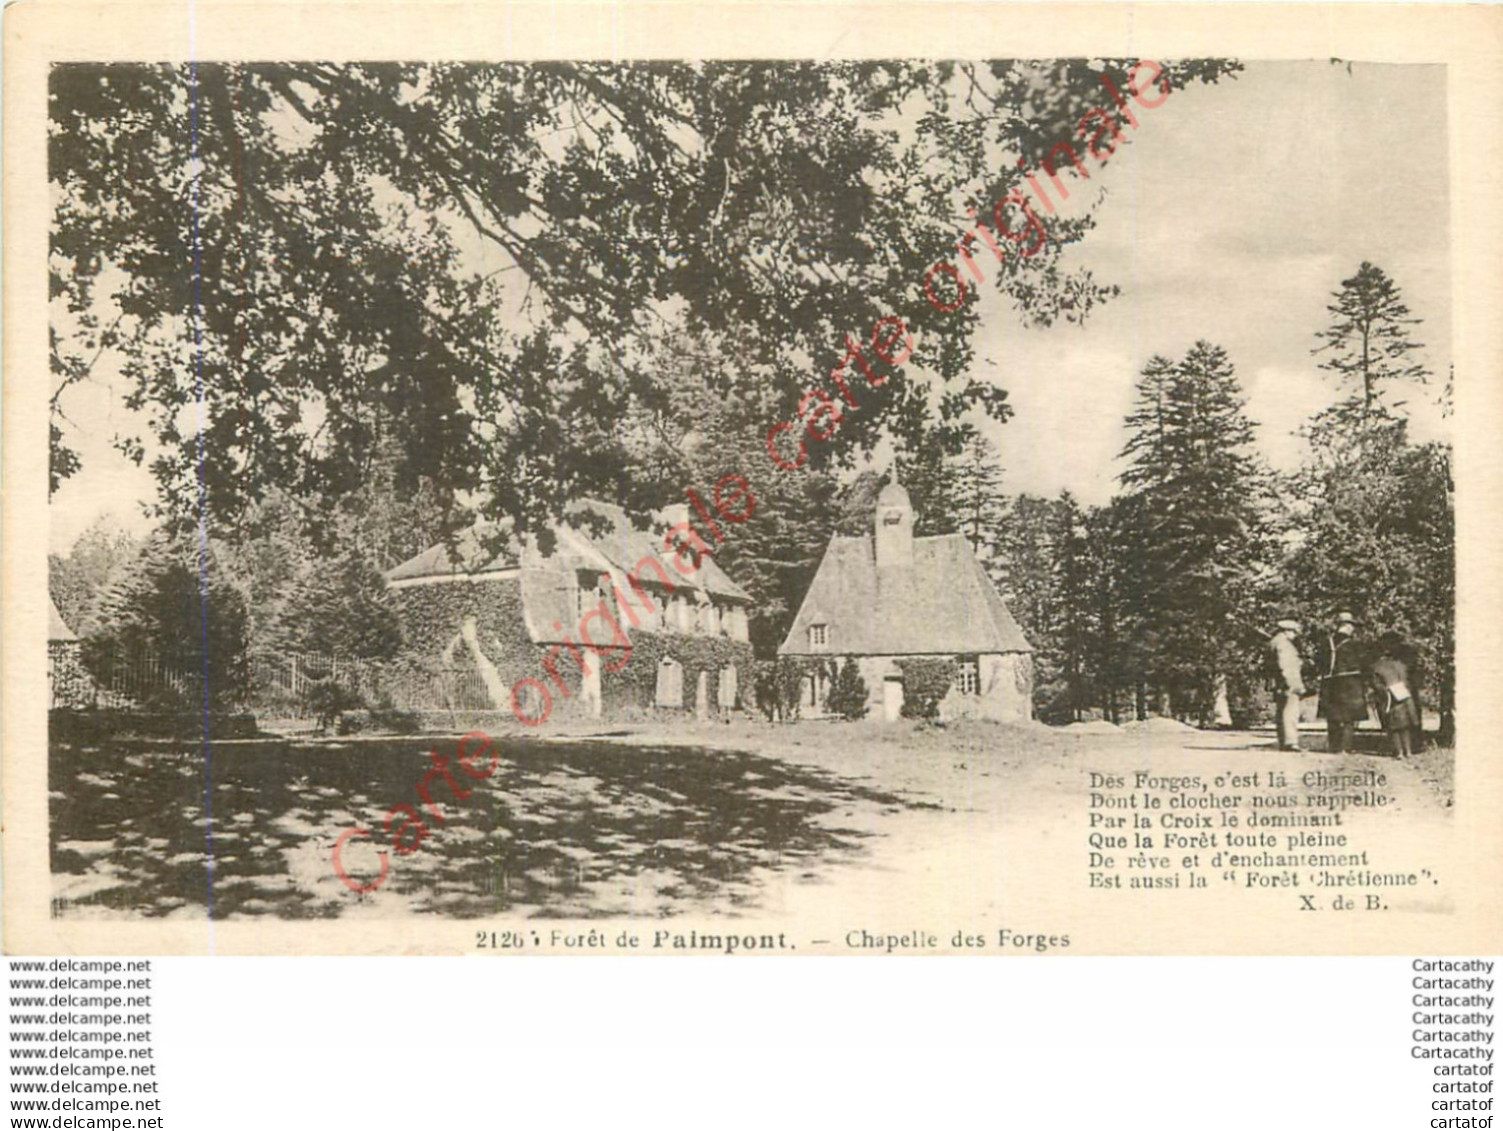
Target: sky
1232	215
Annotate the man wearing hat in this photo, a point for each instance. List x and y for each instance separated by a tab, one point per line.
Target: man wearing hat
1343	691
1290	680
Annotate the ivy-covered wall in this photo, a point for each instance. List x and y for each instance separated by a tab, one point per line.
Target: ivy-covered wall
69	682
635	685
431	617
432	614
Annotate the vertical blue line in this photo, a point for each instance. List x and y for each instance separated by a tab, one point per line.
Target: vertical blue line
196	174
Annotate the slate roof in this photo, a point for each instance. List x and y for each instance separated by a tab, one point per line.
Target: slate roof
547	583
941	603
468	557
625	546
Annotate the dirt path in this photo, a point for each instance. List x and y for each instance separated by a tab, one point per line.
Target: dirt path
1000	825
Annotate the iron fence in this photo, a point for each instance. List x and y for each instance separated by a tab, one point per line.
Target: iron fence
280	684
286	680
123	683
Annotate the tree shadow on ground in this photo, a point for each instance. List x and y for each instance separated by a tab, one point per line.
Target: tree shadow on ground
580	829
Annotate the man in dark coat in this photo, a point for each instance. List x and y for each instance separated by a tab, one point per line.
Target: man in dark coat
1343	687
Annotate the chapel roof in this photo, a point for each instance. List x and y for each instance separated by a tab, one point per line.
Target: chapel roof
940	602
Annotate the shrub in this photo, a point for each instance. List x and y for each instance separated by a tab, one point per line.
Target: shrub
395	720
765	688
925	683
780	687
328	700
849	693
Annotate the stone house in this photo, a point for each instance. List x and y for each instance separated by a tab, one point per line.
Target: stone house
888	597
612	619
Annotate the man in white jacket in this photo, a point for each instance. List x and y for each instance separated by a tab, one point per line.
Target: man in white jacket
1291	682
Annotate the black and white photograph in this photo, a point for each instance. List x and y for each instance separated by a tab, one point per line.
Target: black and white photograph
740	481
823	505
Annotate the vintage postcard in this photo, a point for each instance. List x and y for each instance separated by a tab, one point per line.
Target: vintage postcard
687	479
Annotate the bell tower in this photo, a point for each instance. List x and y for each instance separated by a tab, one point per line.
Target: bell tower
894	533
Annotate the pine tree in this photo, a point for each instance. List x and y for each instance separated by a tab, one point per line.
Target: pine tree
1027	563
1078	582
1149	427
1372	515
955	486
341	607
1108	563
1194	529
980	506
79	578
174	607
1368	347
775	553
1050	568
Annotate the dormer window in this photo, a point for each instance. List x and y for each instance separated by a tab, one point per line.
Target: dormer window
819	635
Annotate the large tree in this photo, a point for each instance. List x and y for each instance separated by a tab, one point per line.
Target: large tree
954	481
1378	538
1060	567
1368	347
977	503
79	578
1371	513
317	587
1037	560
1195	527
171	631
294	265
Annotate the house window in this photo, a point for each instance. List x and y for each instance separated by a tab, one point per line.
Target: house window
591	590
819	635
968	680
